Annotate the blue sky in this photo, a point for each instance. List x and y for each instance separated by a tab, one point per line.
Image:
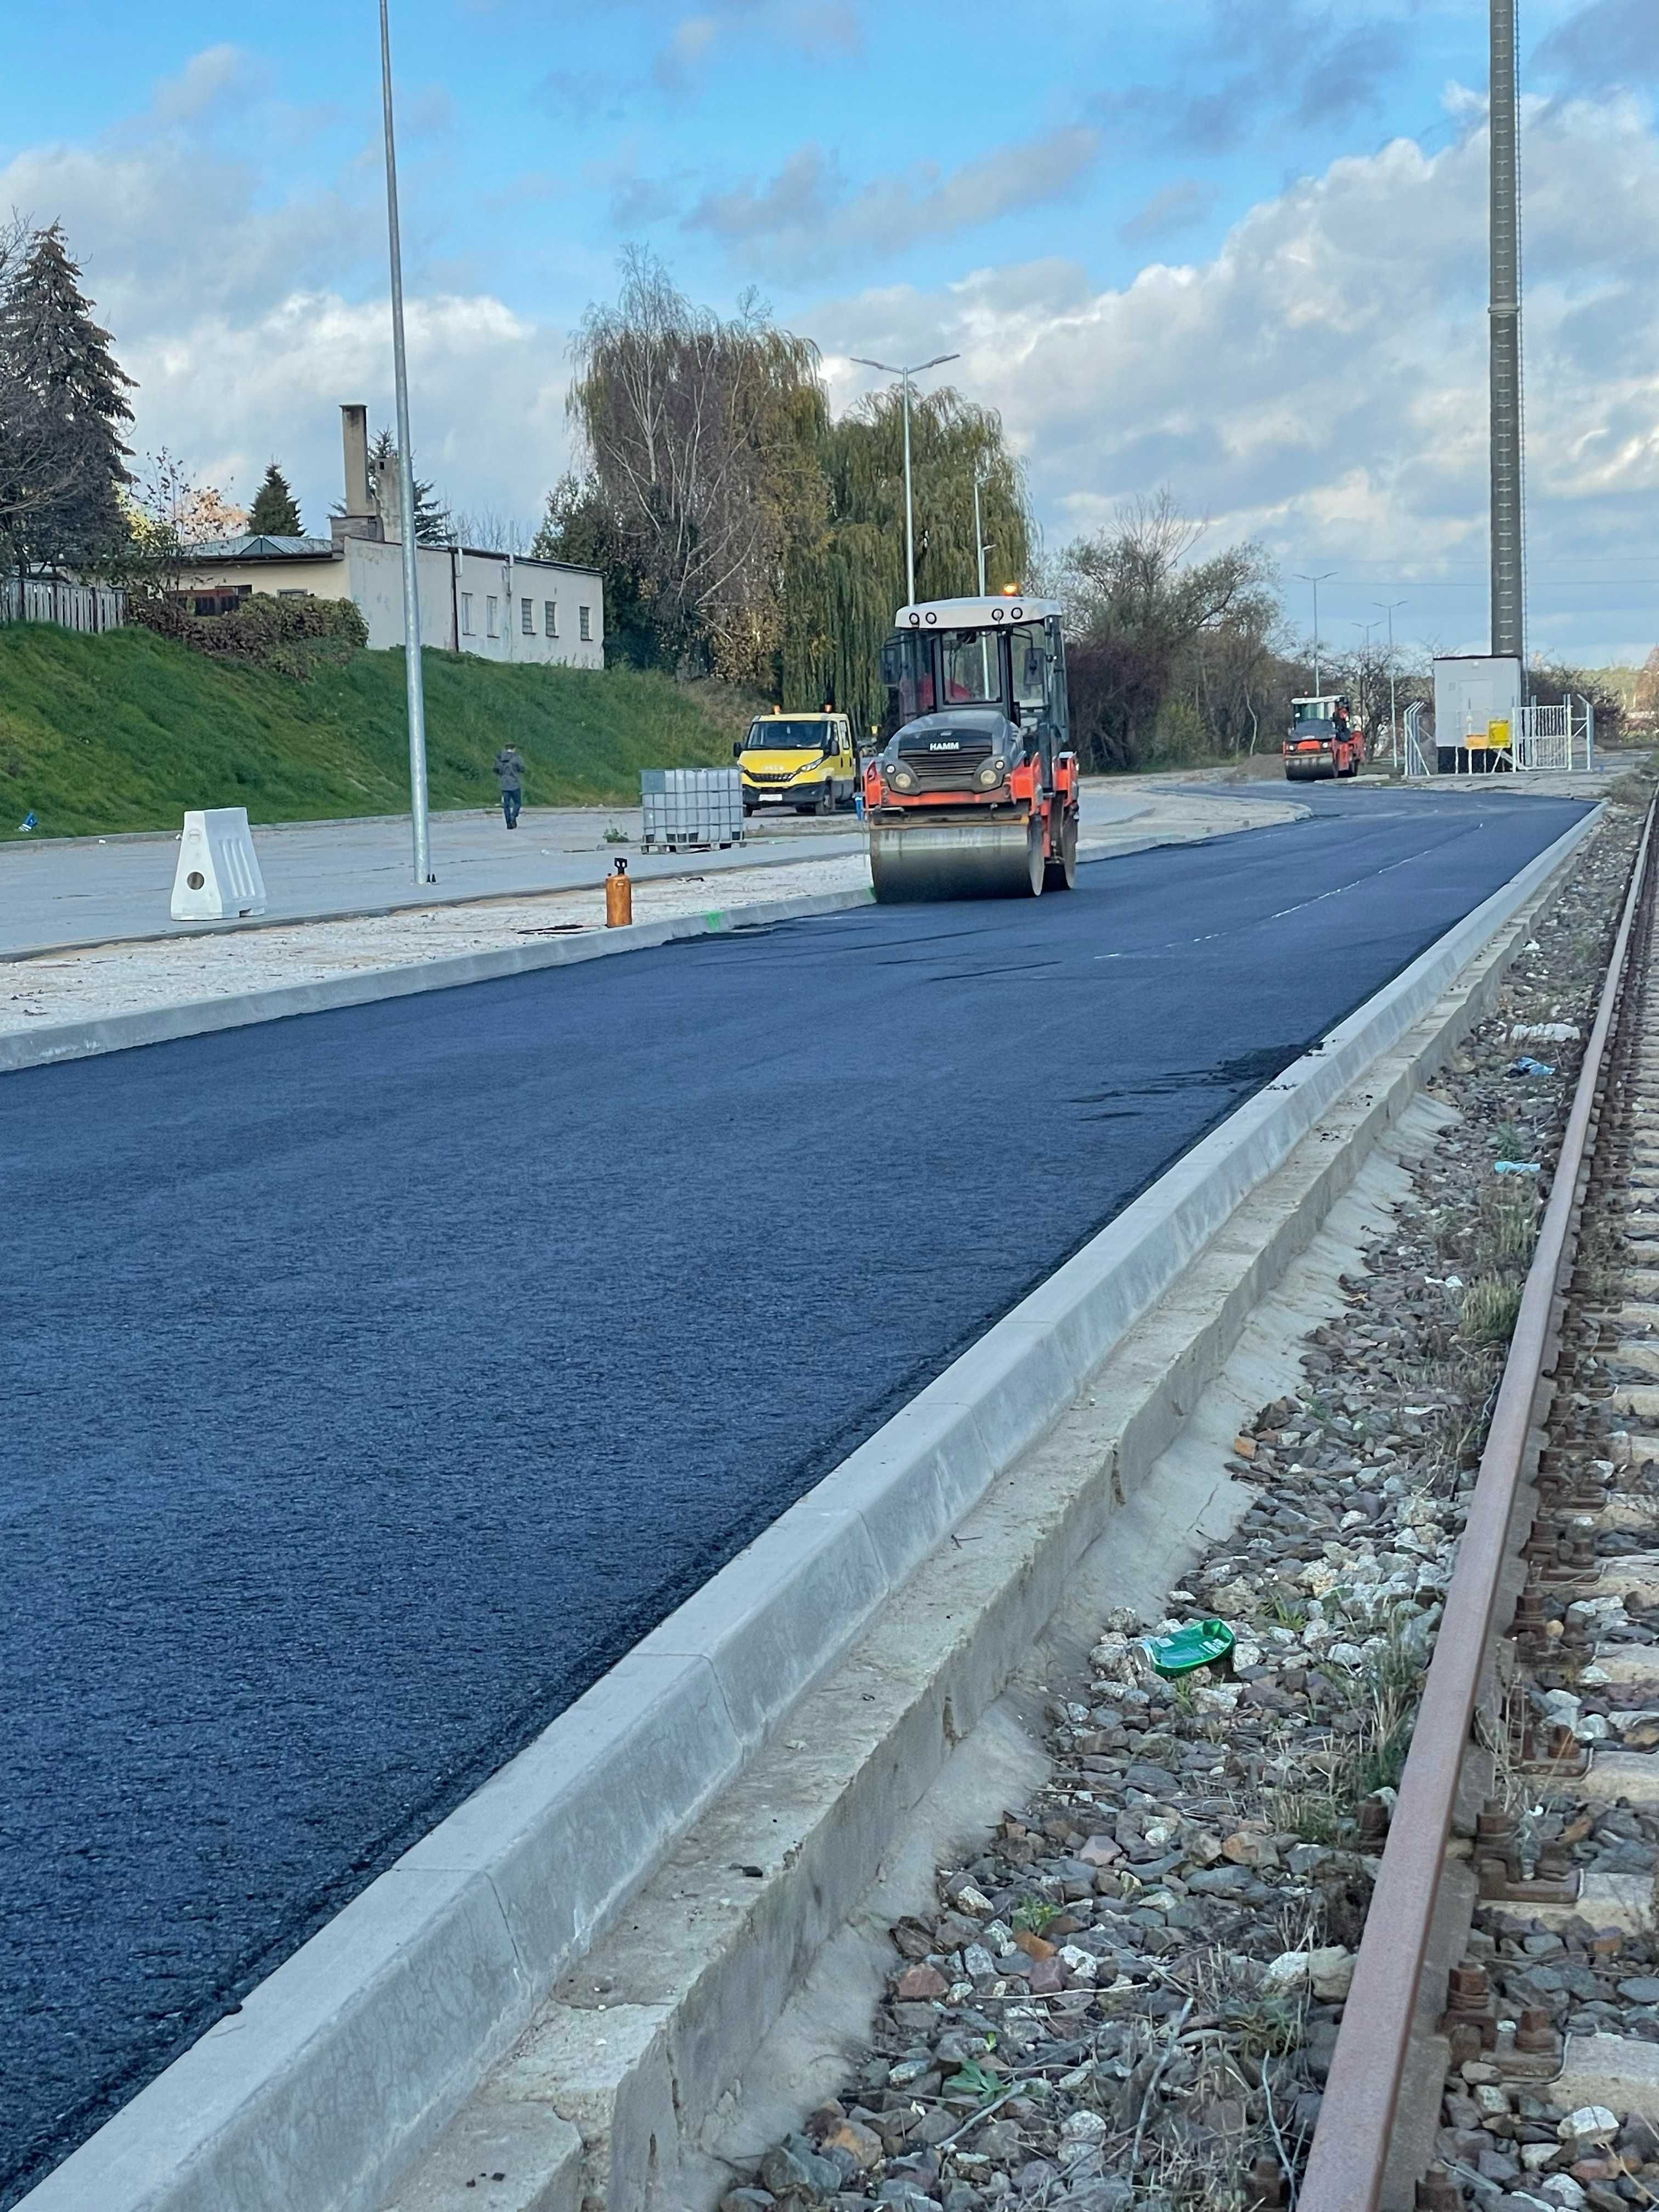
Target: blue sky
1233	247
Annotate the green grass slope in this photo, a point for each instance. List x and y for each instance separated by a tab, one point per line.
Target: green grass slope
126	731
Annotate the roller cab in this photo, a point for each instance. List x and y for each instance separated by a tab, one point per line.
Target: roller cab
975	792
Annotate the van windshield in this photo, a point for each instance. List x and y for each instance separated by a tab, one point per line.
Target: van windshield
786	733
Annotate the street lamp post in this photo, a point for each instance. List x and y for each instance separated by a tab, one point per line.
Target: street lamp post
887	368
415	685
982	544
1365	673
1323	577
1387	607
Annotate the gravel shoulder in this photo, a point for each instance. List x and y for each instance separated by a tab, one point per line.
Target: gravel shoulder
1127	1992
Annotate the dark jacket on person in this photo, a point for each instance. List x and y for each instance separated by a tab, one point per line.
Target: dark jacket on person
509	768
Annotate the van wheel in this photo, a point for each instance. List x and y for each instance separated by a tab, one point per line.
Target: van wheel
827	798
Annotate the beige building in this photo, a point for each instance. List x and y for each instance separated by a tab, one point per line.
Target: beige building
501	607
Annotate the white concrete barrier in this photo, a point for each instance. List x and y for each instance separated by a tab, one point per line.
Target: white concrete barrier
217	877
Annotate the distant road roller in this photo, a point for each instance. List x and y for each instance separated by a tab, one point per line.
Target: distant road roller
974	795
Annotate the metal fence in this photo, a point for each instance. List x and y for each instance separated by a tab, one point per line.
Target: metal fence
1415	759
57	599
1560	737
1557	740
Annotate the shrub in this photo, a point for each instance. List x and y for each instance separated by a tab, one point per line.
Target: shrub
290	636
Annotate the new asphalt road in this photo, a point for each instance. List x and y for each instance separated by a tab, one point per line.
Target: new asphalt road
374	1380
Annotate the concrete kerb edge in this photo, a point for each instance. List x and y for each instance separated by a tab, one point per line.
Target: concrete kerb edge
200	2122
387	910
86	1040
66	1041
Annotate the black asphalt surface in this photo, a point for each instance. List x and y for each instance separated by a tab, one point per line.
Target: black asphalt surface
374	1379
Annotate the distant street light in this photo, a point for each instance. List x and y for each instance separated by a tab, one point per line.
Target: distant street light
1365	674
413	672
982	544
888	369
1387	607
1323	577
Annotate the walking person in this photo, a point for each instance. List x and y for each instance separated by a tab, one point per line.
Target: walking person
509	774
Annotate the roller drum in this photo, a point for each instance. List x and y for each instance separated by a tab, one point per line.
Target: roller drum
955	859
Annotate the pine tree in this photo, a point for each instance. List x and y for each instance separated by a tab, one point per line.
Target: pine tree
385	485
70	396
274	512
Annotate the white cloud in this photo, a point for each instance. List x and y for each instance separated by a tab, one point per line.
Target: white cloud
1173	209
1319	381
809	27
239	324
1322	382
805	219
206	82
691	40
487	395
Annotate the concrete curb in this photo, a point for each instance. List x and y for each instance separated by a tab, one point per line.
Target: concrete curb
199	1017
350	2060
85	1040
188	933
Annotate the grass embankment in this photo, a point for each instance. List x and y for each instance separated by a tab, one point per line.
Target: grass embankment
126	731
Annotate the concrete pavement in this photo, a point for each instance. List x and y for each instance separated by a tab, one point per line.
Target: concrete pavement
90	891
86	984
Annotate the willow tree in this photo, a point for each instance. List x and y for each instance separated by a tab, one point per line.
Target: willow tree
848	575
1136	602
701	437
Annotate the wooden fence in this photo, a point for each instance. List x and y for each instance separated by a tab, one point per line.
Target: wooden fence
57	599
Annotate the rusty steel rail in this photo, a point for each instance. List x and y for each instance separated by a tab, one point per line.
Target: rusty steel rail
1347	2162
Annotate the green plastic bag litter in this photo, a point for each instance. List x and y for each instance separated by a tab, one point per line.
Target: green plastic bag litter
1199	1643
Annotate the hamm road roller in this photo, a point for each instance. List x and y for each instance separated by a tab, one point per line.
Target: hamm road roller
974	795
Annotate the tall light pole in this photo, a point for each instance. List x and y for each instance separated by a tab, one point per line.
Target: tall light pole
982	544
1323	577
1365	673
887	368
1387	607
413	672
1508	594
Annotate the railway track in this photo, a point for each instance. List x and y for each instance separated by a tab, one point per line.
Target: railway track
1244	1951
1500	2041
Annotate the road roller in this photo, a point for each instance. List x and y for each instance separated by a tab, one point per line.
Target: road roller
975	792
1324	739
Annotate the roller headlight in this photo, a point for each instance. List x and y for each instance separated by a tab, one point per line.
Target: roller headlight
901	779
992	774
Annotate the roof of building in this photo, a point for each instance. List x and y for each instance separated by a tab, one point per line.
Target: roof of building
262	548
323	548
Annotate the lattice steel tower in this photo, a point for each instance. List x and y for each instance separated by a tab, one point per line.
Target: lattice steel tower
1509	580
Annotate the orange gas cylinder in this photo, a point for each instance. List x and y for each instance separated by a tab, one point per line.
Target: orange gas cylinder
618	898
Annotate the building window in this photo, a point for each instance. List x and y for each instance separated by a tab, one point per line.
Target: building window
492	615
527	616
551	617
293	593
585	623
466	614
